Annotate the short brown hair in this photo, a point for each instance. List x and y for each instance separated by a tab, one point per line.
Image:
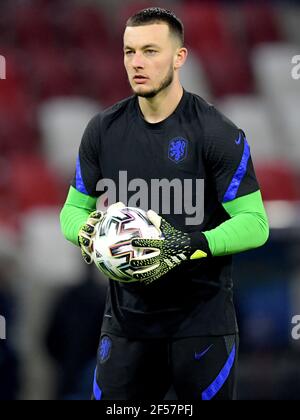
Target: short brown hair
157	15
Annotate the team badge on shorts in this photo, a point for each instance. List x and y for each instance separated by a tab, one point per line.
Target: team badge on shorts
105	348
178	148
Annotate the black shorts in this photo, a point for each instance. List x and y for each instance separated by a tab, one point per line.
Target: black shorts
198	368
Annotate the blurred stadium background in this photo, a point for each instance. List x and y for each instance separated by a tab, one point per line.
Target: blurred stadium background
64	63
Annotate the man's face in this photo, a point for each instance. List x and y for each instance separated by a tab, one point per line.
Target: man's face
149	53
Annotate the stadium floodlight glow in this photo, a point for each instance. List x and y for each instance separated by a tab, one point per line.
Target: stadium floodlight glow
2	67
2	328
282	214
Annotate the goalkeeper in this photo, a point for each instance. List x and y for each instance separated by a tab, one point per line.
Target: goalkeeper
176	324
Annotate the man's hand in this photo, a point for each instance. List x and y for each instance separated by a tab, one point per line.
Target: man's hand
88	230
86	234
168	252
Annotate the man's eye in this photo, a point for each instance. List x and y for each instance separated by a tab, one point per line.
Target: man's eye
150	52
129	52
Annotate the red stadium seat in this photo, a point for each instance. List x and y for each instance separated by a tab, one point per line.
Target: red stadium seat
52	74
17	107
16	77
85	26
261	24
6	25
32	183
18	129
33	27
9	218
8	202
104	80
206	26
209	32
278	181
228	71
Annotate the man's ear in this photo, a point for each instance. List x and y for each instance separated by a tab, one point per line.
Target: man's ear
180	58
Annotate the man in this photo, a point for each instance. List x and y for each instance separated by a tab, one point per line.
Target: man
177	324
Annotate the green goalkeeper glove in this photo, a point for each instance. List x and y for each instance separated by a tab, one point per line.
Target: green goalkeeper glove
86	234
88	230
173	249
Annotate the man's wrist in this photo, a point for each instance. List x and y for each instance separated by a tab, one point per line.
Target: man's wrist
199	243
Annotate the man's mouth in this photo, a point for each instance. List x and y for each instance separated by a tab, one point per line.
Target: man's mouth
140	79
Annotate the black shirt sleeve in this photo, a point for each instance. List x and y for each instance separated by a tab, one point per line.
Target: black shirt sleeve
228	158
88	171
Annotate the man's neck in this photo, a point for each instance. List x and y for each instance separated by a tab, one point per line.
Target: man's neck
163	105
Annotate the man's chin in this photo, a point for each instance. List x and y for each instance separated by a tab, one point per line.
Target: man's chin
144	93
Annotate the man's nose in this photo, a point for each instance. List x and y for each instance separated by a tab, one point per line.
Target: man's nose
137	61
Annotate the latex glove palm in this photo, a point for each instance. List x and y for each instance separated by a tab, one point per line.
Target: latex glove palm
86	235
173	249
88	231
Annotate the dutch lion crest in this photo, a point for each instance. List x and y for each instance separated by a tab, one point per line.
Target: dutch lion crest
178	149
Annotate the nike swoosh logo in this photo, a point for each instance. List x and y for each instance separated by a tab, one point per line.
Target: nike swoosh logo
238	141
199	356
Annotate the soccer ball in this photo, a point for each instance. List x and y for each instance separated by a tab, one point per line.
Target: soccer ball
112	243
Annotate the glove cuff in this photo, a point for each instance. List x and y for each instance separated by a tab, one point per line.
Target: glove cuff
199	243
